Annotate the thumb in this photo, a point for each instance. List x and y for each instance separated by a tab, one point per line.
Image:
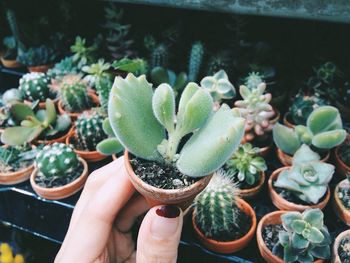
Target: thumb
159	235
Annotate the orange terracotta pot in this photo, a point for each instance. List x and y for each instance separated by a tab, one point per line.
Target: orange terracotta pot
342	212
273	218
251	192
41	68
338	239
75	115
276	117
287	121
283	204
340	165
16	177
89	156
10	63
286	159
156	196
228	247
61	192
61	139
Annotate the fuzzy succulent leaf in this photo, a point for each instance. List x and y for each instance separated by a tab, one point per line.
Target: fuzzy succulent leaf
109	146
329	139
163	104
285	138
107	128
324	119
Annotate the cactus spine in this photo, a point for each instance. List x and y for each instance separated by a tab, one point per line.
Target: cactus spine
160	56
35	86
196	60
75	97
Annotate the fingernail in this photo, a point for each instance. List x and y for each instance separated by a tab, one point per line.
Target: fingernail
166	221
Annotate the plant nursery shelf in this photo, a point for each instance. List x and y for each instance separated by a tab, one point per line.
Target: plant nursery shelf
338	10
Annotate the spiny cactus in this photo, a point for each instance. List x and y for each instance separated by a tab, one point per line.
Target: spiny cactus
256	110
323	130
195	61
308	177
89	130
305	238
215	208
217	134
74	96
57	160
37	56
35	86
221	60
253	80
160	56
161	75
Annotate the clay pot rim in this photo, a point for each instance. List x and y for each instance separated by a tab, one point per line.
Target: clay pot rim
276	116
338	200
59	188
150	188
10	63
296	207
59	139
61	109
71	134
286	120
337	240
255	188
248	235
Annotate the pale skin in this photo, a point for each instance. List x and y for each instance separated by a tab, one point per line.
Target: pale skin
100	227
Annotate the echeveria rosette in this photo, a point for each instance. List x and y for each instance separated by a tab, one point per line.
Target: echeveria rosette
308	177
305	237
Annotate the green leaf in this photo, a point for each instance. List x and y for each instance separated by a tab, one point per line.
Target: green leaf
22	111
20	135
299	242
329	139
288	218
298	226
50	112
289	254
286	139
324	119
305	155
109	146
159	75
322	252
315	235
106	126
283	238
163	104
314	217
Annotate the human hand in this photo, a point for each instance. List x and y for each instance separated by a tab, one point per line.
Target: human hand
100	227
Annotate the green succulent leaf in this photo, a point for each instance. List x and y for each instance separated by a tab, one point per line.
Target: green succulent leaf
315	235
324	119
289	254
107	128
163	104
50	112
109	146
298	226
22	111
283	238
288	218
299	242
323	252
329	139
314	217
286	139
19	135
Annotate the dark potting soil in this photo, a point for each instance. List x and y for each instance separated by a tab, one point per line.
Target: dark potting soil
289	196
344	196
262	142
270	235
160	175
57	181
15	167
344	250
55	136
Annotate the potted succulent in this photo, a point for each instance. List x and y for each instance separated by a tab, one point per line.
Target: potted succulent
247	168
294	237
44	125
341	202
16	163
323	131
259	115
161	169
304	184
38	59
88	132
59	172
9	97
341	247
82	54
222	221
342	157
9	58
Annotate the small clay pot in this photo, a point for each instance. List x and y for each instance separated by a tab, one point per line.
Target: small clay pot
228	247
251	192
340	165
283	204
75	115
51	141
89	156
182	197
287	120
60	192
342	212
338	239
41	68
273	218
276	117
10	63
286	159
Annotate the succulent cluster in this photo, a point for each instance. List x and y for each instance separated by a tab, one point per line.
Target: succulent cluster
35	86
160	56
195	61
308	177
57	160
74	96
253	80
95	71
305	237
37	56
245	164
62	68
323	130
256	110
161	75
215	208
89	130
14	158
82	54
216	136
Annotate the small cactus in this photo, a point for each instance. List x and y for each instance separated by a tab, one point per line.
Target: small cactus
74	96
160	56
89	130
195	61
253	80
57	160
215	208
35	86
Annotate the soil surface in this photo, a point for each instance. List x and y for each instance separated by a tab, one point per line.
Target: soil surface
344	250
263	141
18	166
57	181
344	196
160	175
270	235
289	196
242	185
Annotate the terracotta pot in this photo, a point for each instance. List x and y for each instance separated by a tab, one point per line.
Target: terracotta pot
16	177
342	212
273	218
287	121
283	204
51	141
286	159
61	191
41	68
228	247
338	239
10	63
156	196
251	192
276	116
340	165
89	156
75	115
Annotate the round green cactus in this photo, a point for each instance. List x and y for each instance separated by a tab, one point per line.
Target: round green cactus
35	86
75	97
89	130
57	159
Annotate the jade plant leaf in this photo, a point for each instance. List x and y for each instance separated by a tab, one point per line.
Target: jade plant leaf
329	139
22	111
50	112
20	135
286	139
324	119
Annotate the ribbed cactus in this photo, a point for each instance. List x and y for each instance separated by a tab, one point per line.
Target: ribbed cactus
75	97
58	160
215	208
195	61
160	56
89	130
35	86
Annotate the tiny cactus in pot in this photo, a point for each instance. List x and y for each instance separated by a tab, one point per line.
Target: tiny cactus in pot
35	86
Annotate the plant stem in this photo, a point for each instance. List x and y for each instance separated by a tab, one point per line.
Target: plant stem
173	143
